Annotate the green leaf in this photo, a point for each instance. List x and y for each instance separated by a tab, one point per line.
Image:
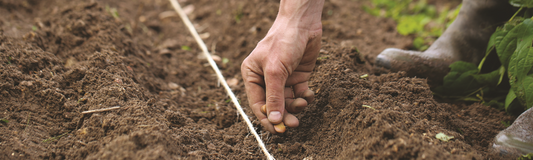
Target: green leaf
411	24
529	92
524	91
114	13
528	156
522	3
461	66
509	99
495	39
528	13
490	79
522	58
504	43
521	63
419	42
494	103
502	73
4	120
460	80
185	48
225	60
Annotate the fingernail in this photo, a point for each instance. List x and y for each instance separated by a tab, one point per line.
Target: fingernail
274	116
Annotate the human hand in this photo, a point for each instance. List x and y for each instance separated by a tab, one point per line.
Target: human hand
277	71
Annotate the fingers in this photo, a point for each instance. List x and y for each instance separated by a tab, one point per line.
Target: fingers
288	121
253	83
297	105
309	96
302	90
304	96
268	126
275	78
300	86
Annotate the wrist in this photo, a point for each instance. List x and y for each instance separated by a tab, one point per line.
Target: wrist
303	14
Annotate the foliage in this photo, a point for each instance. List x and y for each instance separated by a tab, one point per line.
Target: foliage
185	48
526	157
225	60
506	123
55	138
513	44
415	18
464	81
113	11
522	3
367	106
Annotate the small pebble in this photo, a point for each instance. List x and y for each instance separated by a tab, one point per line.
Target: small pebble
173	86
233	82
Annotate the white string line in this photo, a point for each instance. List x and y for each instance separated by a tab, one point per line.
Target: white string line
221	79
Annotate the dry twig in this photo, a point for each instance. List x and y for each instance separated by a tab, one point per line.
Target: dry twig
100	110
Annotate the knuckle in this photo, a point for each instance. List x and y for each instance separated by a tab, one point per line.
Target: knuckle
245	64
276	71
274	99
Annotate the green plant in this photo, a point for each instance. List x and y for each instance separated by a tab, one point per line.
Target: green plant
55	138
512	42
506	123
367	106
416	18
526	157
185	48
225	61
238	14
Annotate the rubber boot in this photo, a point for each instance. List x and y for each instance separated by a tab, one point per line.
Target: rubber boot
465	39
517	139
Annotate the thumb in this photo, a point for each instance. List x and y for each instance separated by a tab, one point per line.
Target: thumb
275	78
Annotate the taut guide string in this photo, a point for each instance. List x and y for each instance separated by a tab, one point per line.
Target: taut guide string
202	45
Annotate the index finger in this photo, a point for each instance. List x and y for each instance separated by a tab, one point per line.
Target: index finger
256	97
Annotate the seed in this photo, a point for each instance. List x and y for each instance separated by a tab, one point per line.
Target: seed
264	109
280	128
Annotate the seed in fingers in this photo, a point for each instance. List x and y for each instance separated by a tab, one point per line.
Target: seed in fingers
264	109
280	128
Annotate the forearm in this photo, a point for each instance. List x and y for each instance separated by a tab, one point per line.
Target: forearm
305	14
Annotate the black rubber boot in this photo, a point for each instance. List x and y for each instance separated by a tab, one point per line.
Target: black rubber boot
517	139
465	39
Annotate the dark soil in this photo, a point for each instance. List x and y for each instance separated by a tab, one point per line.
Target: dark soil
61	57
